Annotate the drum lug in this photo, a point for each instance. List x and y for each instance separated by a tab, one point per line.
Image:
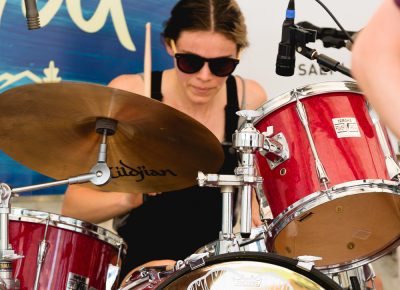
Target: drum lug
391	165
196	261
112	275
75	281
275	149
307	262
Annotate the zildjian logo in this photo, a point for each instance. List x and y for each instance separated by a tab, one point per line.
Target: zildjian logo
140	172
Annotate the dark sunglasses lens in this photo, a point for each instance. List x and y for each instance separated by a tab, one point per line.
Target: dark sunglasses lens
189	63
223	66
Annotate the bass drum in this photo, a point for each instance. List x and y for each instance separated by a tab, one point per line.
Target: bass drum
241	271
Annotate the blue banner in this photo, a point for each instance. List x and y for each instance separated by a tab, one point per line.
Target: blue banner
87	41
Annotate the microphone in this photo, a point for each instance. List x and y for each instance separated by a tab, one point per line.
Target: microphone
32	14
286	59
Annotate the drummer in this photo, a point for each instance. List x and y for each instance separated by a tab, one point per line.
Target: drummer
205	39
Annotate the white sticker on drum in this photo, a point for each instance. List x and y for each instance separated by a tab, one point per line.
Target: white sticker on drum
77	282
346	127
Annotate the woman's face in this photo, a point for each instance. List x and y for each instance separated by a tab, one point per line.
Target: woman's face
203	85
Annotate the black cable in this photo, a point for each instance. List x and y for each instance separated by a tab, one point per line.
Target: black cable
337	22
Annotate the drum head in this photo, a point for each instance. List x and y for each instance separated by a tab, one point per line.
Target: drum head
246	271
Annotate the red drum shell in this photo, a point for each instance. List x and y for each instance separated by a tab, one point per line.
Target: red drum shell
359	221
75	248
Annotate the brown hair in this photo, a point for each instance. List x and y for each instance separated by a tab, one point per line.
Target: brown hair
222	16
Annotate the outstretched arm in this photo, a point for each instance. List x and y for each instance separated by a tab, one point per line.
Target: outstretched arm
376	63
96	206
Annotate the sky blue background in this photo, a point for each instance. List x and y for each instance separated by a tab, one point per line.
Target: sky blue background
80	56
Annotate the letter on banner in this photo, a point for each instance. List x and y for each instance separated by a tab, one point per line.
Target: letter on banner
94	24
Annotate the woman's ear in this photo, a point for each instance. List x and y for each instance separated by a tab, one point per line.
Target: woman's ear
239	53
167	44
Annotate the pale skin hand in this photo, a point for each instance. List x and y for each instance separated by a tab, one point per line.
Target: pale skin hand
376	63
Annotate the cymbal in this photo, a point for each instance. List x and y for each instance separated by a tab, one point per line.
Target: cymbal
51	128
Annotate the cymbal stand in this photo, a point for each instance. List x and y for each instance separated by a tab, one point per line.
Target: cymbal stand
247	141
99	175
7	254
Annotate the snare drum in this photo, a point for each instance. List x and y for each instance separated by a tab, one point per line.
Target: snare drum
333	196
78	256
241	271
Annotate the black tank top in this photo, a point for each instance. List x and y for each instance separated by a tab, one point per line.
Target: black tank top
173	225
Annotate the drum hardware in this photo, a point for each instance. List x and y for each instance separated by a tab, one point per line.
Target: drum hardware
246	141
307	262
226	242
392	166
278	149
42	250
265	214
361	278
146	275
113	270
255	243
7	254
151	275
302	113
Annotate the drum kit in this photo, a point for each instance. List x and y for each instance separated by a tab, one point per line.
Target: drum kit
317	155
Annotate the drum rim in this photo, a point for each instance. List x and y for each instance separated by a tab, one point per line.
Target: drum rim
314	275
68	223
318	198
306	91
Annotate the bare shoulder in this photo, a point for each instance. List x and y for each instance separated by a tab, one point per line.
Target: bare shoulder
128	82
255	93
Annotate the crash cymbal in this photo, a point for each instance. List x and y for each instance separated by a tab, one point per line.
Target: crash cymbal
51	128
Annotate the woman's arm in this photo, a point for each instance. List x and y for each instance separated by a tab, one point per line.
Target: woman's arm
97	206
376	63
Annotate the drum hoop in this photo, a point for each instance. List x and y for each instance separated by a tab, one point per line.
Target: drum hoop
277	260
305	92
68	223
337	268
338	191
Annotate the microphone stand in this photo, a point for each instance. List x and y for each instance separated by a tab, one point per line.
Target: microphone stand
99	175
304	36
325	61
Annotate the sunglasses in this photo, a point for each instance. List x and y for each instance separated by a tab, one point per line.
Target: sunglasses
191	63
